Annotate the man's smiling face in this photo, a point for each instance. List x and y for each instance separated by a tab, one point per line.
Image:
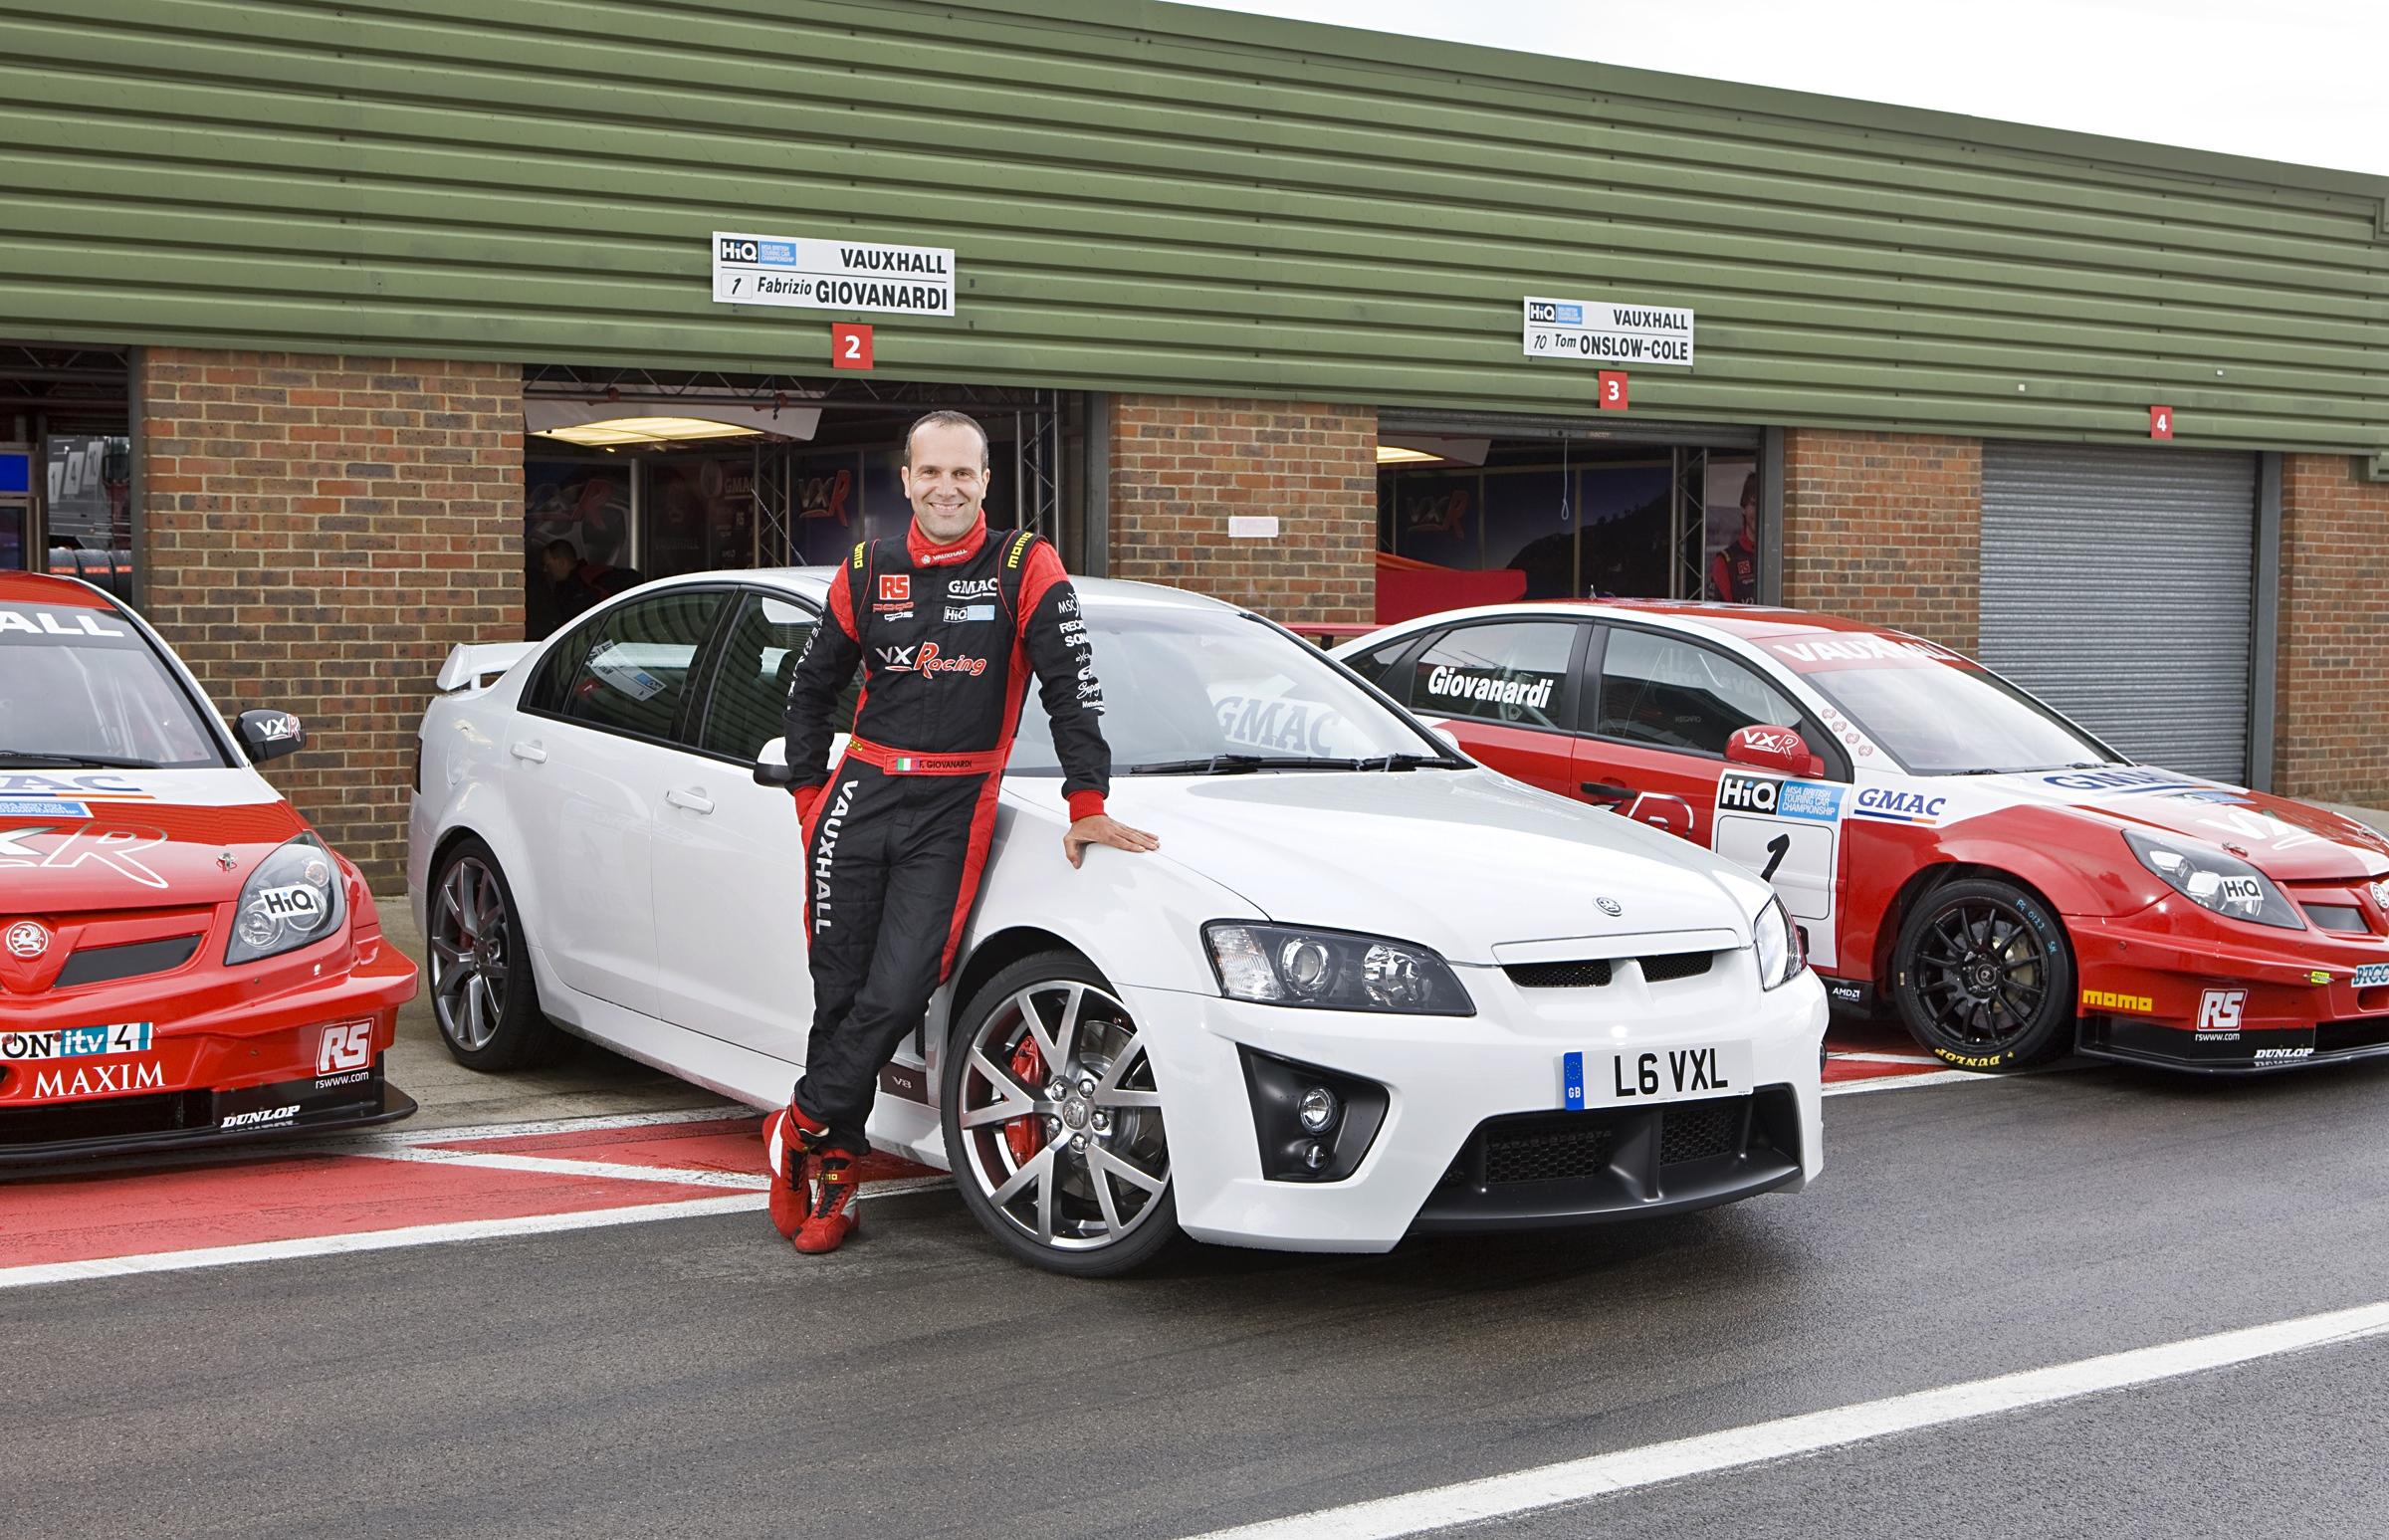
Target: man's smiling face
946	479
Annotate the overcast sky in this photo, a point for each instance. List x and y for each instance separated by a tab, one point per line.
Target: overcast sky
2286	80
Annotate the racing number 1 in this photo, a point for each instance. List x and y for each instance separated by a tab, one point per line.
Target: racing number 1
1777	850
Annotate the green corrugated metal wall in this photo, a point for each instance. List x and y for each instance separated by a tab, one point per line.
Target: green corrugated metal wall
1166	200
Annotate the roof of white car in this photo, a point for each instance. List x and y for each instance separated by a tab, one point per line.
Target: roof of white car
1104	592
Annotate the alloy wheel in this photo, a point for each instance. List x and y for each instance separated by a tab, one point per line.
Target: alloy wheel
470	937
1061	1122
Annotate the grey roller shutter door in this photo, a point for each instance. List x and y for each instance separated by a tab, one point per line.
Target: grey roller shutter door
2118	586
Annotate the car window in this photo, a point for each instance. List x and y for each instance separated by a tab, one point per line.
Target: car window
1377	666
1673	694
1183	683
75	680
1512	672
632	675
750	702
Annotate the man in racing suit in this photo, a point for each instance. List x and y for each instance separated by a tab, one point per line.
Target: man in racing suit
947	624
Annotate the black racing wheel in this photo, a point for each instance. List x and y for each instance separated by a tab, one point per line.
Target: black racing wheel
482	992
1982	976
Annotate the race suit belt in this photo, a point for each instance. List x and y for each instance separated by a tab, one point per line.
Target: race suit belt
904	761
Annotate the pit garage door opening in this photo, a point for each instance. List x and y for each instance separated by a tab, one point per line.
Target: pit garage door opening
1486	510
635	476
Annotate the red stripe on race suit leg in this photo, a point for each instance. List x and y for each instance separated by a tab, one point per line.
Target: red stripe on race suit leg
975	862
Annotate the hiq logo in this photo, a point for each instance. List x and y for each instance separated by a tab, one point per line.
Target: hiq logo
1748	793
731	249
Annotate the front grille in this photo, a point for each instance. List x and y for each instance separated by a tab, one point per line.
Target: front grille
2338	917
1696	1130
1592	973
104	964
1551	1154
112	1117
1589	973
1674	966
2340	1036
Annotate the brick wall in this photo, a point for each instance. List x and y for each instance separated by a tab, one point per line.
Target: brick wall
318	532
1885	527
2332	723
1180	465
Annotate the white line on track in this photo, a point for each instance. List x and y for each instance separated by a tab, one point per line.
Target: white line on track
1601	1475
677	1175
1906	1082
373	1240
600	1124
423	1235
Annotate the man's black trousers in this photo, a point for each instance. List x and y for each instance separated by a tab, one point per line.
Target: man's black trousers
892	863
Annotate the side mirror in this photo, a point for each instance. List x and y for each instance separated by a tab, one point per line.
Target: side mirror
772	764
269	735
1774	748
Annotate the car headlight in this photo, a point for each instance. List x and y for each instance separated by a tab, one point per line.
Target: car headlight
1279	964
292	900
1782	959
2213	880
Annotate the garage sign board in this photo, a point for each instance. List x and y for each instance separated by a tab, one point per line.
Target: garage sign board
814	275
1608	333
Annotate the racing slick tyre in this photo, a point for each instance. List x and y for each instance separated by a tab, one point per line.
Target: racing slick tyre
482	994
1982	976
1054	1123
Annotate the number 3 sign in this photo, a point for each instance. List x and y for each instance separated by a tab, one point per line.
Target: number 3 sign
849	346
1612	390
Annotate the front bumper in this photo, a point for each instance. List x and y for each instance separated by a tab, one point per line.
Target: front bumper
1464	1092
2179	988
235	1054
174	1120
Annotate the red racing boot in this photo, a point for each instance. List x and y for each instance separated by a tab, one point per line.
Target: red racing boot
832	1217
790	1144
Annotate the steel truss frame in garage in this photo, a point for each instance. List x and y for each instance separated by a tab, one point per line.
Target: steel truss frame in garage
1040	421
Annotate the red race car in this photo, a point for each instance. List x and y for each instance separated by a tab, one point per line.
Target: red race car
2016	888
182	959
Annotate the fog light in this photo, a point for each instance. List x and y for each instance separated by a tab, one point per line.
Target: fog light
1317	1110
1314	1155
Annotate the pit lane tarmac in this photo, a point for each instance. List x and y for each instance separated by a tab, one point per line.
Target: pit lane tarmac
694	1376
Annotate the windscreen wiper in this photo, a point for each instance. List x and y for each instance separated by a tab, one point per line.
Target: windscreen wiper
64	758
1242	764
1403	762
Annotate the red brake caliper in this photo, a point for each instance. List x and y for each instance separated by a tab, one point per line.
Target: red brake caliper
1027	1134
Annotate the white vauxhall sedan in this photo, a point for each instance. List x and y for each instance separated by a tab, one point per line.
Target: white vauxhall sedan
1366	989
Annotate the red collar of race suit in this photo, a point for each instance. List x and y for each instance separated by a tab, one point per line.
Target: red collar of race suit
927	552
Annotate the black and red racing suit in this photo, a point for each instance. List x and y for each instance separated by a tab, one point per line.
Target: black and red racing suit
894	836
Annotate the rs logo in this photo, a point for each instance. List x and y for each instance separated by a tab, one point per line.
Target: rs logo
344	1047
895	588
2219	1010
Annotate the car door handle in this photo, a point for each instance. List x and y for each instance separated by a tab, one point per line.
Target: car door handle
1607	790
532	751
694	802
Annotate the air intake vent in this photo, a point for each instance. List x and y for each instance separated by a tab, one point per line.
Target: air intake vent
1560	975
1675	965
103	965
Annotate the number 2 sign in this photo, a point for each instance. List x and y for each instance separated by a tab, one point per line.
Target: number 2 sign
1612	390
849	346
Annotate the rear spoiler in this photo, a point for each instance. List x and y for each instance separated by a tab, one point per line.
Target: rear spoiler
469	665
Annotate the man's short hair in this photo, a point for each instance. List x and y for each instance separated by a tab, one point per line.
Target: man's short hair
563	548
947	419
1750	488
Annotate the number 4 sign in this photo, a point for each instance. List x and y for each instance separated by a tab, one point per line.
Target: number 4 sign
849	346
2160	422
1612	390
